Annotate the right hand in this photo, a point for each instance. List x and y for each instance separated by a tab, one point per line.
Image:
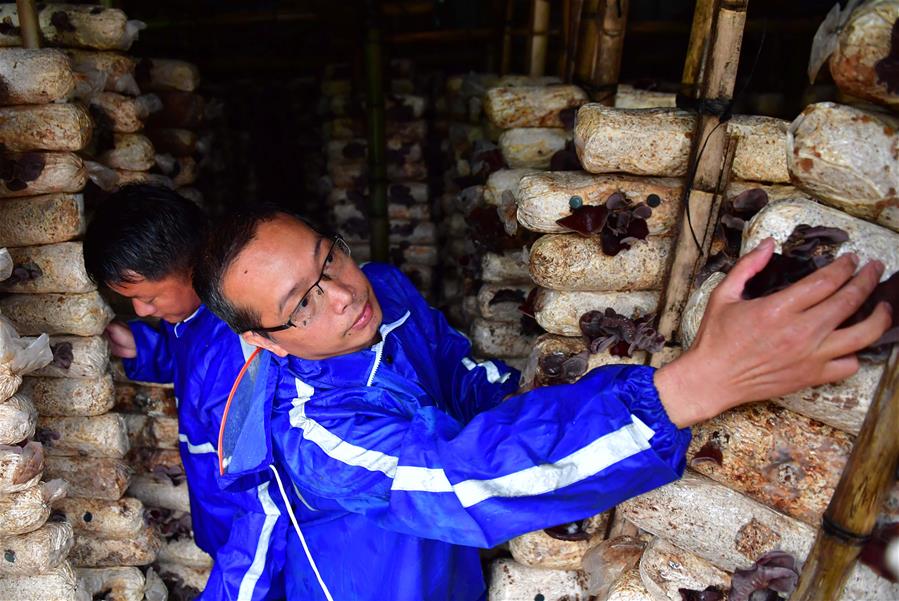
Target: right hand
121	340
752	350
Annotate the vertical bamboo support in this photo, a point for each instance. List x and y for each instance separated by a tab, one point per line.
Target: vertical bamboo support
506	60
607	65
709	153
377	169
31	32
539	40
571	25
851	514
696	50
588	41
566	38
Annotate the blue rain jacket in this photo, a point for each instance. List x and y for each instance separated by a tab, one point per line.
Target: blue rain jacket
244	531
402	458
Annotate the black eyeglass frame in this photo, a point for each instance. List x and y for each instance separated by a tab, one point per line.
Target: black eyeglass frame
289	324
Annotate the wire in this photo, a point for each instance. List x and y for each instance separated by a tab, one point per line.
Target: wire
724	112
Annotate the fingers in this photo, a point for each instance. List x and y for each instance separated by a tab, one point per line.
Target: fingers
838	369
731	288
850	340
817	286
834	310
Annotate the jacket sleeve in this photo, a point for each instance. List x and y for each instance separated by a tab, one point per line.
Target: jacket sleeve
550	456
469	386
155	360
249	566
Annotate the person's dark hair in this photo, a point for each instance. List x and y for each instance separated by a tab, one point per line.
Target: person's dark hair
142	232
226	240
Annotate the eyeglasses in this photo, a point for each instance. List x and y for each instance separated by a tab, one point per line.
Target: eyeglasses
306	309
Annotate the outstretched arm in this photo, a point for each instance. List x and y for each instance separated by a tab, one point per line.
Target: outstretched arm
752	350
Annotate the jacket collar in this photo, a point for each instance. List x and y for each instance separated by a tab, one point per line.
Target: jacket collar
179	327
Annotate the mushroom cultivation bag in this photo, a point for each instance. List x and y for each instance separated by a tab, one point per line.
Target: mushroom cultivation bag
19	356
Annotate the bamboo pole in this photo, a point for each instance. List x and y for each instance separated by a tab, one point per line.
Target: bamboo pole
607	62
588	36
566	38
377	169
31	31
506	61
696	50
573	26
708	154
863	487
539	40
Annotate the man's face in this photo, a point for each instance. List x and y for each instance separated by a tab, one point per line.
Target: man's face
272	274
172	298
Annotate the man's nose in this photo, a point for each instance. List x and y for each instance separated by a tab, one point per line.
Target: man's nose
339	295
142	309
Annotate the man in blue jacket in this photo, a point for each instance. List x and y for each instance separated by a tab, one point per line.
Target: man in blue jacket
401	448
141	244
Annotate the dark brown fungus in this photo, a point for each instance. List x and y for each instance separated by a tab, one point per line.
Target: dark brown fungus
619	223
527	307
60	20
806	250
565	159
874	553
23	272
573	531
559	367
712	593
887	68
62	355
507	295
567	117
620	335
773	574
710	452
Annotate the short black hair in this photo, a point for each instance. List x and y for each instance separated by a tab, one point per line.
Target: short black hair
226	240
143	232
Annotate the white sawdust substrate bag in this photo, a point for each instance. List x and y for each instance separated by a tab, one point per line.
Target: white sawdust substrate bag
41	219
70	396
90	477
76	357
123	518
34	76
59	127
98	436
76	26
848	158
26	510
76	314
36	552
51	268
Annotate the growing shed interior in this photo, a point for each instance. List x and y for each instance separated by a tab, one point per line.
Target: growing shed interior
568	181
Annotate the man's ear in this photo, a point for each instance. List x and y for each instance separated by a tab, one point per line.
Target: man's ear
263	342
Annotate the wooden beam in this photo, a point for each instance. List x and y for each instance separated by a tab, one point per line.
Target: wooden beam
505	63
538	42
696	50
863	487
31	31
377	167
708	157
571	25
589	37
607	65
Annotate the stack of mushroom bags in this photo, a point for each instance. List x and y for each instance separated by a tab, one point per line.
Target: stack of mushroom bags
413	239
150	411
462	108
525	130
177	129
42	215
759	477
34	562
